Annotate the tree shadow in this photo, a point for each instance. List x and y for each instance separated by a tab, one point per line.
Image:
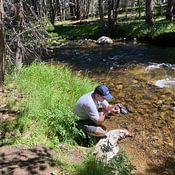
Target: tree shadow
79	30
32	161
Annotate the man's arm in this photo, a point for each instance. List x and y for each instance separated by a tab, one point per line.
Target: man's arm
101	118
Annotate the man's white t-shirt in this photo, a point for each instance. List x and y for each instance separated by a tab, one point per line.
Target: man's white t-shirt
87	108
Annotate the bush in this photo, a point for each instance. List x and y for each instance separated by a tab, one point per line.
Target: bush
92	166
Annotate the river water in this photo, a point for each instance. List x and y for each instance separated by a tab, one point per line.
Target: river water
132	71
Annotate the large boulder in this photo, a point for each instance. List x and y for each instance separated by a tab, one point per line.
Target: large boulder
107	147
104	40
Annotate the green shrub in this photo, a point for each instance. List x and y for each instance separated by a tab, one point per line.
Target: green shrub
92	166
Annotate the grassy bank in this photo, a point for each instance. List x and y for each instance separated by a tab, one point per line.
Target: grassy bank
160	31
50	93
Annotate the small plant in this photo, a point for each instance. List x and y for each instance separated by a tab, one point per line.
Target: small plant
119	165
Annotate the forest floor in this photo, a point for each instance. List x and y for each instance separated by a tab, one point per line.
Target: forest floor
23	160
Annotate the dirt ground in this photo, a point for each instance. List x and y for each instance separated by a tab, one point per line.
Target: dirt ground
42	161
26	161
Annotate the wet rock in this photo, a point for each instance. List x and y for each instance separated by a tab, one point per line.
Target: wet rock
165	83
119	87
130	109
134	81
104	40
173	108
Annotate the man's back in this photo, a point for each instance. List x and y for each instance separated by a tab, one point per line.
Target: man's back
86	108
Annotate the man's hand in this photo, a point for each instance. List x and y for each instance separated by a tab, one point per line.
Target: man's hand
112	109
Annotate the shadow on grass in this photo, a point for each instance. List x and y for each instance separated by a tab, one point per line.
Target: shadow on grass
79	30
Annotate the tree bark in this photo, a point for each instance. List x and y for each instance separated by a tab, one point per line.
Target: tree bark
72	9
149	12
101	14
2	43
20	23
78	14
112	13
138	3
170	10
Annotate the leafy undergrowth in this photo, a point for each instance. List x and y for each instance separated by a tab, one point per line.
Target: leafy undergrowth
120	165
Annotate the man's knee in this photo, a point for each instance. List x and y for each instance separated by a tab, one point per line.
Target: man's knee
100	131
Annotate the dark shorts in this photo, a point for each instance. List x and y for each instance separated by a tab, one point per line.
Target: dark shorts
88	126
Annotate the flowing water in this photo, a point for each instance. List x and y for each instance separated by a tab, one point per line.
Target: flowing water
136	74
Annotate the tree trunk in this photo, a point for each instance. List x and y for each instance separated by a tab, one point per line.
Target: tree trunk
102	23
138	3
20	23
52	12
170	9
149	12
78	15
116	10
2	44
112	13
72	9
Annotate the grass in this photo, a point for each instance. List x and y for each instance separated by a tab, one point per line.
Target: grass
50	93
131	26
72	30
141	30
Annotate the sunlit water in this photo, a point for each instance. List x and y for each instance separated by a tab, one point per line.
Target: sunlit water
135	73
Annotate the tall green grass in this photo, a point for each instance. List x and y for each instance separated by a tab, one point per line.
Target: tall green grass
50	93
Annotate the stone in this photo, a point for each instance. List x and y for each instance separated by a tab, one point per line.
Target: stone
104	40
107	147
165	83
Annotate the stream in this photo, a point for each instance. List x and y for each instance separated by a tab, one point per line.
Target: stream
141	77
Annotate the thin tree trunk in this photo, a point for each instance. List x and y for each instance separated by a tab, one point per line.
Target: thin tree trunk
112	13
170	7
101	14
20	22
72	9
52	12
138	3
78	15
2	44
116	10
149	12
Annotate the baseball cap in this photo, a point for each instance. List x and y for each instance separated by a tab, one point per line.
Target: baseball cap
103	91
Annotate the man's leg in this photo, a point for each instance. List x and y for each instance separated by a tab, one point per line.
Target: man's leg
92	128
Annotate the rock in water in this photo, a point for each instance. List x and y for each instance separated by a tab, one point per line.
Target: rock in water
165	83
104	40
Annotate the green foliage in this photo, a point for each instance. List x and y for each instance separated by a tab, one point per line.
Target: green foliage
93	166
130	25
50	93
79	30
141	30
